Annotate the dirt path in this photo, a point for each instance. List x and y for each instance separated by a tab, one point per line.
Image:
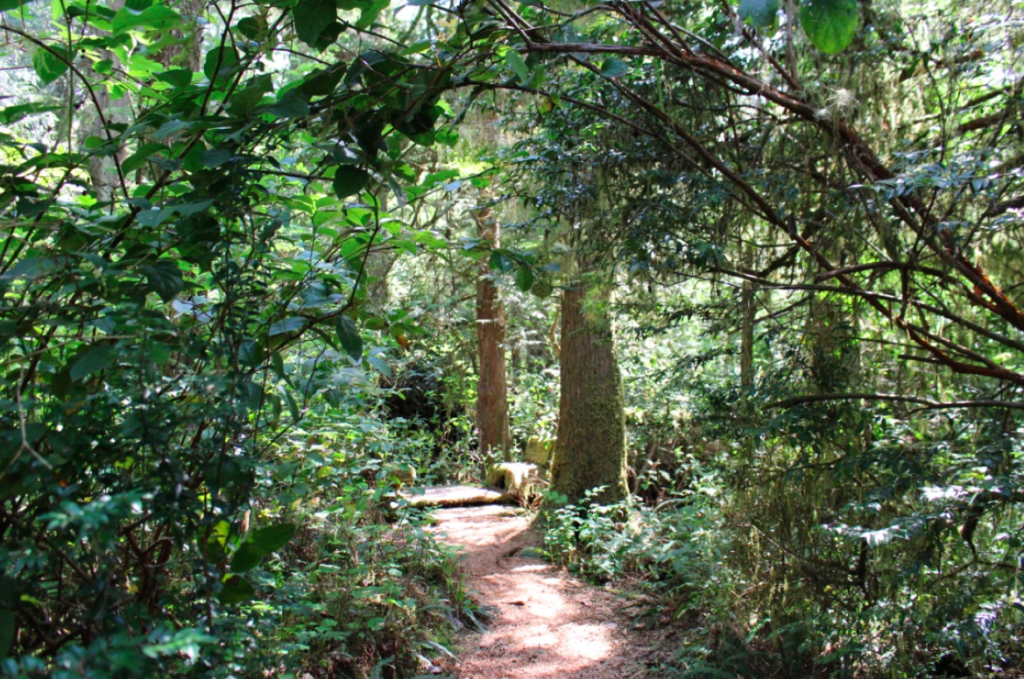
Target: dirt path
545	623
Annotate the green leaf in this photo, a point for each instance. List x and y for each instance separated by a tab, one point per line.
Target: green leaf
164	278
380	365
154	18
287	325
291	105
272	538
613	68
13	114
499	261
524	278
7	628
221	62
350	180
513	59
369	13
830	24
293	407
246	558
7	6
93	361
542	289
322	82
759	13
48	65
251	27
351	341
312	18
236	590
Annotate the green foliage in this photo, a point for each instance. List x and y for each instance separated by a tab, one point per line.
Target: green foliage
759	13
226	245
830	24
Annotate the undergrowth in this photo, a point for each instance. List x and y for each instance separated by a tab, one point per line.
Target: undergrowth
795	579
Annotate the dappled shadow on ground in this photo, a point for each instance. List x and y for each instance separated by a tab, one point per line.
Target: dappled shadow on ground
545	624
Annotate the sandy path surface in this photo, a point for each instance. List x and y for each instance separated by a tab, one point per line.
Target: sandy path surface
545	623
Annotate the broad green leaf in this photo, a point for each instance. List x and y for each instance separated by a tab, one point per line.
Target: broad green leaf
221	62
236	590
287	325
542	289
50	64
369	13
312	18
164	278
435	178
7	6
154	218
349	181
251	27
154	18
499	261
351	341
244	102
321	82
759	13
830	24
380	365
93	361
272	538
513	59
613	68
246	558
524	278
214	157
290	105
13	114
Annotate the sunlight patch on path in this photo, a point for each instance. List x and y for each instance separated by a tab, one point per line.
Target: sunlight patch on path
546	624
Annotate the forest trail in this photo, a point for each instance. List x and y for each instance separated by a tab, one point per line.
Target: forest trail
545	623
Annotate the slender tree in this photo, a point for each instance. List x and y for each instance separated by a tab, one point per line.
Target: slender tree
492	400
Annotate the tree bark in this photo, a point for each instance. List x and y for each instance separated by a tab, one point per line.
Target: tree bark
591	447
492	404
747	300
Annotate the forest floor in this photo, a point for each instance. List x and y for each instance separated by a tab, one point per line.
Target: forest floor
543	622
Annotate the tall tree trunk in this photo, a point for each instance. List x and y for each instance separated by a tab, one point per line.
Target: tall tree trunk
103	172
747	301
492	404
591	447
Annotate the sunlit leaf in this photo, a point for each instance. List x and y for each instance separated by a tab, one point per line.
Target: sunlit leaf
50	63
830	24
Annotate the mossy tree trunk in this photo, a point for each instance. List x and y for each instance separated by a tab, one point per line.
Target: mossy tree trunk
591	448
492	404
